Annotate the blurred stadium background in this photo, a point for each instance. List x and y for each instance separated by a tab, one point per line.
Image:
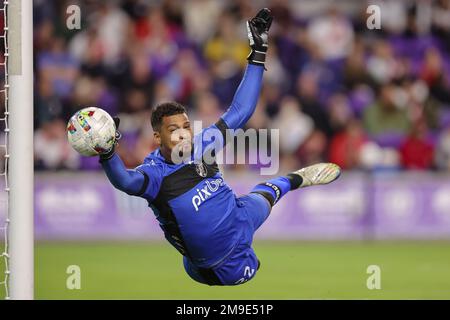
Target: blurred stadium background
376	102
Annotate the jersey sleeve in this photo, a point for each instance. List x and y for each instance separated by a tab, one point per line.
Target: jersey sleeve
129	181
153	175
245	99
210	140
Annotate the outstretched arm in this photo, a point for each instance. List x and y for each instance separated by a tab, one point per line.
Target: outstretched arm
130	181
246	97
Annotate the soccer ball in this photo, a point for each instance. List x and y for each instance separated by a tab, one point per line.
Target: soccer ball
91	131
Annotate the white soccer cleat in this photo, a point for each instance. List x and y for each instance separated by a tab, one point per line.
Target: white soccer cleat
317	174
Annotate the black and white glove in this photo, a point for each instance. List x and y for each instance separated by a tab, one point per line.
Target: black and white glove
109	154
257	31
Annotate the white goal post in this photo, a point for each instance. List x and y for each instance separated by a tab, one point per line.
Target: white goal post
20	148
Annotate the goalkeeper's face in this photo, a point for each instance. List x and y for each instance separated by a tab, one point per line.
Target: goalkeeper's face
175	136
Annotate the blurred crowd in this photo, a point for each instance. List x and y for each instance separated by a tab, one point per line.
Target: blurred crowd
337	90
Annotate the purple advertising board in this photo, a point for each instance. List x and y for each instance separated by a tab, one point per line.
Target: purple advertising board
357	206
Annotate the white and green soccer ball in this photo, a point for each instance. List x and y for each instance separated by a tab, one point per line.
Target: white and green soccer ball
91	131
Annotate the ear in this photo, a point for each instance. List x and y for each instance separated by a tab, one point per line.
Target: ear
157	137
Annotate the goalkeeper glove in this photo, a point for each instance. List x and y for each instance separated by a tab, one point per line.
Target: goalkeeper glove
257	31
109	154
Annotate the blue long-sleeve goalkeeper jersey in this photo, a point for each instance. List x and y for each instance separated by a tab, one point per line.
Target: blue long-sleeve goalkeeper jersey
192	202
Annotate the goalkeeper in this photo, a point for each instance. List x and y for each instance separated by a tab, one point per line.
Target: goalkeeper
198	212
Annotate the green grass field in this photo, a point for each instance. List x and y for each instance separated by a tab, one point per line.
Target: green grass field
290	270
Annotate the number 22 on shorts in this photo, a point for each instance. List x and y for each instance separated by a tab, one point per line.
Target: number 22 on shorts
248	274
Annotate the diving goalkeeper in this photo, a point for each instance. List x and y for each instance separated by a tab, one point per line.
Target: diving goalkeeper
199	213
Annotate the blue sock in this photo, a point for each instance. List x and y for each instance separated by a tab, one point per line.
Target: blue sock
274	189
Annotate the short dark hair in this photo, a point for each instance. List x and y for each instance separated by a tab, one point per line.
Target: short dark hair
165	109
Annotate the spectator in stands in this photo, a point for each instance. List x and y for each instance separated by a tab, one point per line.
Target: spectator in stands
332	33
200	17
417	152
355	71
51	150
385	116
440	21
59	67
294	126
382	65
308	96
345	147
47	104
226	51
433	74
